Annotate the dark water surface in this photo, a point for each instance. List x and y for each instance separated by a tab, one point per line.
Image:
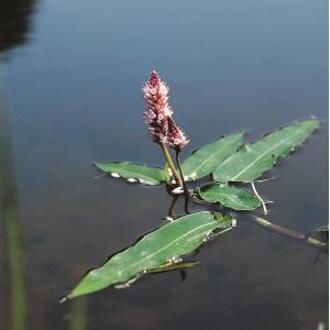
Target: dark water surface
71	75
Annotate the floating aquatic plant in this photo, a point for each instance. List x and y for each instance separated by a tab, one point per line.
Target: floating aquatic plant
226	162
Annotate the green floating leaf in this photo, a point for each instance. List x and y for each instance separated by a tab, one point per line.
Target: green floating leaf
133	172
231	197
203	161
158	248
254	159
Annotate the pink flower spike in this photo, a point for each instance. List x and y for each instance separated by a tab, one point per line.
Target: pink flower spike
156	106
158	114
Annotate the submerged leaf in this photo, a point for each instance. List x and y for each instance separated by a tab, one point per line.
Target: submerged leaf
158	248
203	161
231	197
133	172
321	233
171	266
254	159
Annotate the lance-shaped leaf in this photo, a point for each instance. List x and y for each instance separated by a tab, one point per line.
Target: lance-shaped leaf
204	160
254	159
154	250
133	172
231	197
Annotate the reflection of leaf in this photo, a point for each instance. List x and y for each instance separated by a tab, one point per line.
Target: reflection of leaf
157	248
204	160
133	172
231	197
254	159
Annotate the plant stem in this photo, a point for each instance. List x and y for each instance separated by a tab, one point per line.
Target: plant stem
171	209
170	163
260	198
290	233
186	192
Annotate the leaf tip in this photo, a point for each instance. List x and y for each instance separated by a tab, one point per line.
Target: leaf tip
97	165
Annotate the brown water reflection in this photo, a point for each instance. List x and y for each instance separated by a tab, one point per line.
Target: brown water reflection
73	95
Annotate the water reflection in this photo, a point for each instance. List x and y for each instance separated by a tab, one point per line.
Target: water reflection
15	23
11	220
13	235
15	28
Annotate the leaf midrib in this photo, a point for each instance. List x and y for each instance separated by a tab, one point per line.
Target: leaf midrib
208	159
233	200
169	244
262	155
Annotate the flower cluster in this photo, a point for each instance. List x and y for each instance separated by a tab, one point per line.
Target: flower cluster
158	114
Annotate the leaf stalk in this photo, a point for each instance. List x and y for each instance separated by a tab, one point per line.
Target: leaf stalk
170	163
290	233
185	189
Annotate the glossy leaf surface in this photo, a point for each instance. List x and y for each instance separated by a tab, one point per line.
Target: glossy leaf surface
231	197
133	172
253	160
160	247
204	160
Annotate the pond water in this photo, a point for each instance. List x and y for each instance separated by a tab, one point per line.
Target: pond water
71	76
